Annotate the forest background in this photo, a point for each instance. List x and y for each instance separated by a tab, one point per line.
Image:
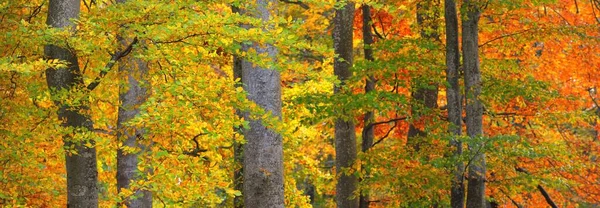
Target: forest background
222	103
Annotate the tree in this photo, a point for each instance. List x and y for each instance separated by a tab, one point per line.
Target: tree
66	84
238	148
133	92
539	88
368	133
424	92
345	136
454	104
263	151
474	107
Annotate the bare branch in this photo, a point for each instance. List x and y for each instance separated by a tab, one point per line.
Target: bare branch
504	36
299	3
113	60
511	199
197	150
547	196
180	40
540	188
104	131
385	122
382	138
377	32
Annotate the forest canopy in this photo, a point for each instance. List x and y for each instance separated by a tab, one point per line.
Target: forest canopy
299	103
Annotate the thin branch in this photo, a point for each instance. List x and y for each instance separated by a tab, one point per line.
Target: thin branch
511	199
385	122
113	60
37	124
87	6
472	158
382	138
377	32
104	131
197	150
560	15
382	27
35	12
540	188
547	196
594	7
299	3
161	200
180	40
504	36
506	114
85	66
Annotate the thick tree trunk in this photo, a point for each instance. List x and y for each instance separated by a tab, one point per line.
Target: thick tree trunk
133	92
345	137
368	134
476	177
453	96
82	172
423	97
263	151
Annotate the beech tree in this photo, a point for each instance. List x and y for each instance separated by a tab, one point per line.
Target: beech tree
69	93
368	132
474	107
424	92
133	92
345	136
263	151
454	102
172	103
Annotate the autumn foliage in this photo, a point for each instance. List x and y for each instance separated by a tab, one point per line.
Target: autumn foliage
540	64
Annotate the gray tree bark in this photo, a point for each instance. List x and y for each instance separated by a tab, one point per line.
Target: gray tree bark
345	136
368	134
423	96
474	108
453	96
133	92
82	172
263	151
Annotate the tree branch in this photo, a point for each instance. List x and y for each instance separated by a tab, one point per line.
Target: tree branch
503	36
197	150
377	32
386	135
299	3
473	158
113	60
511	199
180	40
540	188
546	196
385	122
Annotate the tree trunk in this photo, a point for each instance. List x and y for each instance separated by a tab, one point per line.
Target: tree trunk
368	134
423	97
476	177
453	96
345	137
238	148
82	172
133	92
263	151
